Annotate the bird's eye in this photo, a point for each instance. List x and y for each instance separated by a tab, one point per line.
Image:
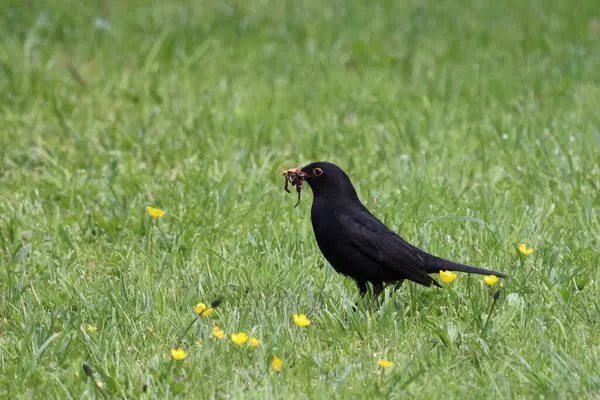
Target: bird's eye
317	171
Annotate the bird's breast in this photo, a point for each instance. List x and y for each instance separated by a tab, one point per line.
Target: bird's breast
331	236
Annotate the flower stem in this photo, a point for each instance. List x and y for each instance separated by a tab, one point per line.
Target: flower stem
496	296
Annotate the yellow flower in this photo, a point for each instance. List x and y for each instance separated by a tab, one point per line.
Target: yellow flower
384	363
202	310
254	342
301	320
276	364
490	280
178	354
199	341
239	338
524	250
447	276
218	333
155	213
91	328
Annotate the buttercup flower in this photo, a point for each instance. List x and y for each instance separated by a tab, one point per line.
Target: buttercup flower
155	213
199	341
301	320
524	250
178	354
218	332
91	328
254	342
239	338
202	310
276	364
447	276
384	363
490	280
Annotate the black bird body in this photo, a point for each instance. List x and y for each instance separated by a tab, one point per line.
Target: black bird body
357	244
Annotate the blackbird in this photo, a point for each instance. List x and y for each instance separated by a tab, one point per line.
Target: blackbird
357	244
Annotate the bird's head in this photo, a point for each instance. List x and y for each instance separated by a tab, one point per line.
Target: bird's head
326	180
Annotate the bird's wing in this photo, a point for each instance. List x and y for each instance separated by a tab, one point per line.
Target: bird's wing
383	246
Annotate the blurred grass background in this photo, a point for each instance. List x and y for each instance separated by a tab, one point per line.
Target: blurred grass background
468	126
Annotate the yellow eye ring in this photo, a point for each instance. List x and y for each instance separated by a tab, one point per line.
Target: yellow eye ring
317	171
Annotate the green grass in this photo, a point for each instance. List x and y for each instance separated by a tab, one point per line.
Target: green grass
474	125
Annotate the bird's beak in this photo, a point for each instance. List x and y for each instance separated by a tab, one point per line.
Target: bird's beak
296	171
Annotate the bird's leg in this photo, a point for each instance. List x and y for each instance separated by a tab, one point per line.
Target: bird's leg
377	289
398	284
362	288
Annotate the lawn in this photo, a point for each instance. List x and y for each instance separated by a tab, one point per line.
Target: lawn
470	127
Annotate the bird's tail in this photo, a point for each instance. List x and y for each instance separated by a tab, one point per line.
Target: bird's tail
437	264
